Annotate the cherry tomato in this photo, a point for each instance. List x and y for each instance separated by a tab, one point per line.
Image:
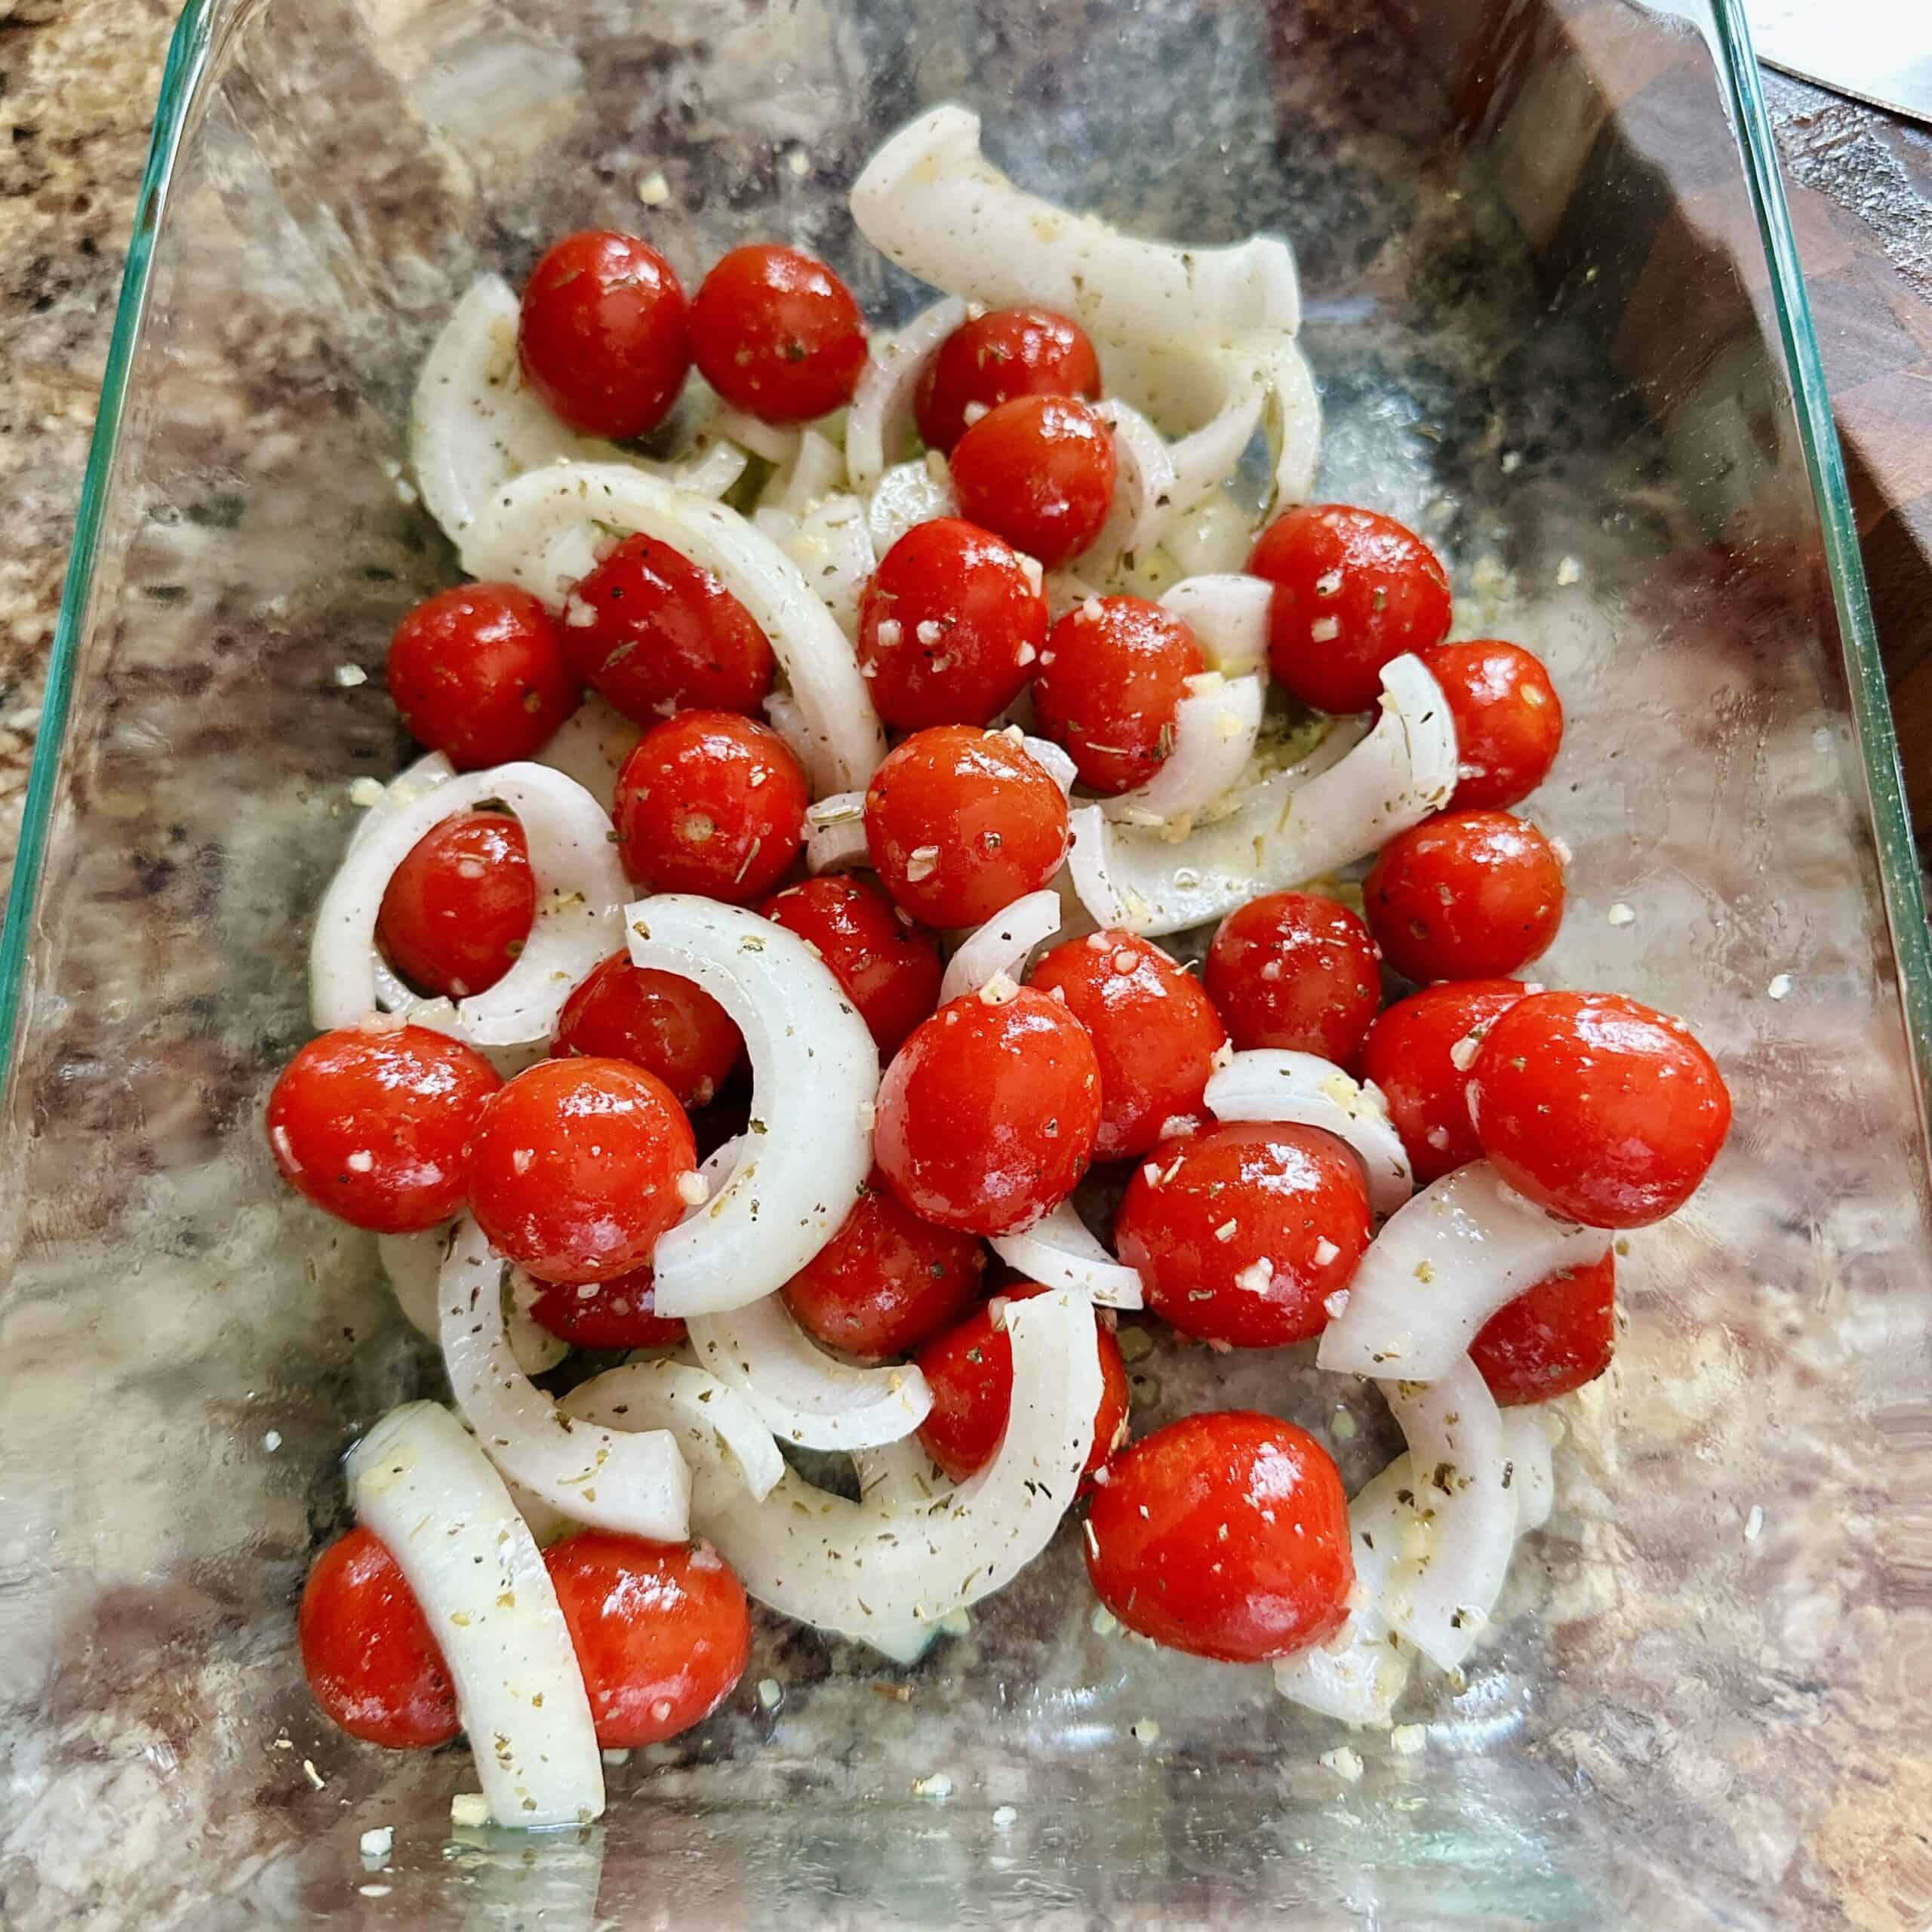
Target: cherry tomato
1464	895
375	1127
949	626
1419	1052
710	802
777	334
656	1020
988	1113
1112	679
970	1371
478	674
1154	1033
960	822
886	1280
456	911
662	1633
1242	1233
1352	589
574	1168
1509	723
889	967
1296	971
1226	1534
1552	1338
996	357
367	1650
620	1313
652	633
602	336
1597	1107
1039	471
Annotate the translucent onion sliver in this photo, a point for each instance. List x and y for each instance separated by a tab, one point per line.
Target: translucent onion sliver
1228	613
1060	1250
1003	944
728	1449
880	422
1216	726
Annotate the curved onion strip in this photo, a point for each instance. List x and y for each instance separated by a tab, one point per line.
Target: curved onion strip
896	1475
590	747
811	751
832	545
512	538
1003	944
930	202
835	833
414	1263
879	423
1205	459
1271	1084
1228	613
1143	496
580	886
774	441
1293	421
1213	537
1290	827
718	1432
908	493
1533	1477
427	1493
1441	1268
1060	1250
637	1485
814	1073
814	470
1067	590
403	789
1216	726
1055	760
707	472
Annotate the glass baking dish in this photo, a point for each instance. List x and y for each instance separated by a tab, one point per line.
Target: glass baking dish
1557	320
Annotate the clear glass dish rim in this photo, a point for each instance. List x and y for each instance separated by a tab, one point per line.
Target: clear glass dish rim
196	35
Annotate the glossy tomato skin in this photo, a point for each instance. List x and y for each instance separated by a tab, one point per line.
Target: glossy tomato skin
1464	895
960	822
889	967
988	1114
711	803
602	333
666	1025
1038	471
375	1127
1241	1233
1112	679
992	358
886	1280
1553	1338
478	673
620	1313
1597	1107
372	1664
777	334
1295	971
1353	588
1225	1534
662	1632
455	912
574	1166
950	627
1508	721
1155	1032
1412	1052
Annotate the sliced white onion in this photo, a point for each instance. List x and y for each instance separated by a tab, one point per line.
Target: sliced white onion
1270	1084
1207	403
637	1485
535	1349
774	441
1294	420
1213	537
1005	944
414	1262
1143	497
814	470
930	202
729	1451
811	751
835	833
1533	1475
909	493
814	1074
880	422
832	546
1054	760
1228	613
1060	1250
1216	726
1067	590
897	1475
591	746
708	471
403	790
1466	1245
422	1487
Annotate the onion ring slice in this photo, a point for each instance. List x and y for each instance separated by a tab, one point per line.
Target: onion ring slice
1060	1250
880	422
1216	726
718	1432
1005	944
1228	613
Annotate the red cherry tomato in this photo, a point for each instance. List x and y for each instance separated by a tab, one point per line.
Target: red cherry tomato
970	1371
777	334
1112	679
662	636
889	967
1352	589
376	1127
996	357
1154	1033
1039	470
1597	1107
886	1280
621	1313
602	335
949	626
574	1167
960	822
1241	1234
478	674
711	803
1419	1052
456	911
1296	971
987	1114
366	1651
656	1020
661	1632
1552	1338
1509	723
1226	1534
1464	895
